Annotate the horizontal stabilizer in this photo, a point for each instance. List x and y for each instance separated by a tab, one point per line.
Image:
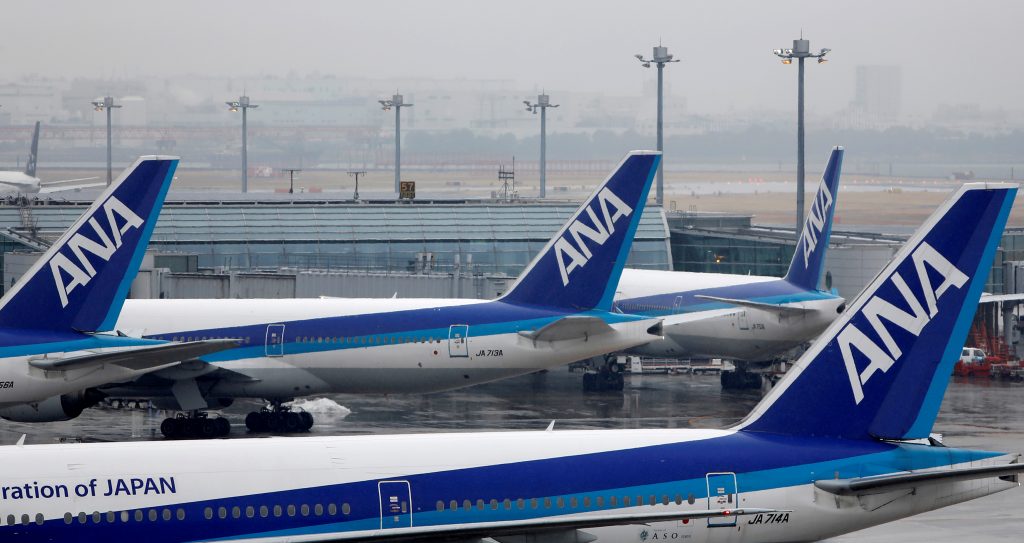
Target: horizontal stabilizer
783	310
534	526
50	188
573	327
140	359
885	483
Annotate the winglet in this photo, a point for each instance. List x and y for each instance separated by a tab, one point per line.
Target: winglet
809	258
880	370
580	266
81	282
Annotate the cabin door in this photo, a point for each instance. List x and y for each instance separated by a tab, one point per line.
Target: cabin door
395	504
742	321
722	494
677	304
275	340
458	340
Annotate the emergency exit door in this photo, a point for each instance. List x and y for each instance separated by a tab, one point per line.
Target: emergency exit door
275	340
458	340
722	494
395	504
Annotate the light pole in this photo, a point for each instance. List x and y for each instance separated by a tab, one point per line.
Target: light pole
291	177
398	103
356	174
543	103
801	50
107	103
660	58
243	104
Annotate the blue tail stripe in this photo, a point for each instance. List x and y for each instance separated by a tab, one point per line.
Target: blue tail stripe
580	266
922	425
808	276
620	261
121	294
881	369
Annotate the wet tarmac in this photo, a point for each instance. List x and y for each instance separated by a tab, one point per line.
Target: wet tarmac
978	413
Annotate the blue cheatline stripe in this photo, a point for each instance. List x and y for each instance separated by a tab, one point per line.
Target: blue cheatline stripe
86	342
643	471
940	379
749	294
484	320
605	303
110	320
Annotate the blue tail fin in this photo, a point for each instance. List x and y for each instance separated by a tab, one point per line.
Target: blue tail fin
881	369
81	282
30	164
579	268
809	258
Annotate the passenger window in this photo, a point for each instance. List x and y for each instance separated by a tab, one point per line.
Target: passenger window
250	511
236	512
613	501
222	513
208	513
305	510
521	503
586	501
81	518
39	518
547	503
291	510
574	503
152	515
561	502
10	520
508	504
533	503
318	510
332	509
167	514
111	517
690	498
264	511
494	504
68	518
664	500
440	505
25	519
277	510
626	501
467	505
600	501
181	514
679	499
345	509
124	516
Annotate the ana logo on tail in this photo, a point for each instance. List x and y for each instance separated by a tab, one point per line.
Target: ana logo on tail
815	221
576	250
82	272
876	309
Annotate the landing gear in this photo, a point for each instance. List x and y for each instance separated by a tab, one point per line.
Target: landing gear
741	379
608	377
195	425
279	419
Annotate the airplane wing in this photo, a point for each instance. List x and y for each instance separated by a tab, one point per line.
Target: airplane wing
572	327
50	188
514	530
885	483
139	360
783	310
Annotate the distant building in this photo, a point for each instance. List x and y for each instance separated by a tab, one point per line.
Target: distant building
878	92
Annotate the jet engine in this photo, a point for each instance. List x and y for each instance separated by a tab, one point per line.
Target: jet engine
55	408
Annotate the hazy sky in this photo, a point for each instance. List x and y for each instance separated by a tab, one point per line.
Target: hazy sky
951	52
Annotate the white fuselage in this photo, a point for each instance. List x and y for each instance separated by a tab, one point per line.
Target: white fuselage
18	182
336	488
402	345
702	328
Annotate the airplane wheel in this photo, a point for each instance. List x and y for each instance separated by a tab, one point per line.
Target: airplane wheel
307	420
292	422
256	422
275	422
223	426
170	428
206	428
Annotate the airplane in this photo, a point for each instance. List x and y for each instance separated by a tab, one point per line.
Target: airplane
842	443
52	345
27	183
557	311
745	318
